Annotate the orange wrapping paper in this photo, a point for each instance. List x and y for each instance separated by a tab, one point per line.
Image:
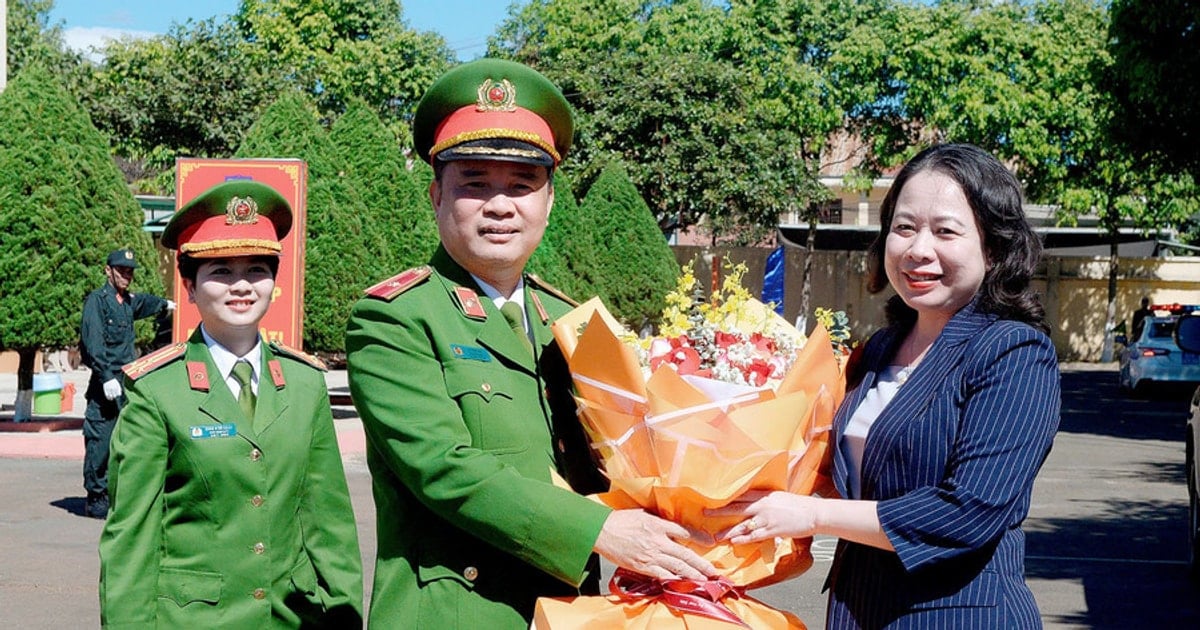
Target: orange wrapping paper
606	613
672	449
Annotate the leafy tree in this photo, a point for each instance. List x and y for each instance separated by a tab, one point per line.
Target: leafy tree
63	208
376	168
1123	190
192	92
1014	77
1155	79
670	102
338	49
33	40
635	268
340	251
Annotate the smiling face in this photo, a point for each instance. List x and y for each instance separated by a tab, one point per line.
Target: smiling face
933	254
491	216
232	295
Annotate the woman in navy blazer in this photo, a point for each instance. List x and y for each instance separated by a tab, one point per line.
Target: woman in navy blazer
952	411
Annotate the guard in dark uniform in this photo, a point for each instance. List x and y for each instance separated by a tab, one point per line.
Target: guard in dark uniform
107	339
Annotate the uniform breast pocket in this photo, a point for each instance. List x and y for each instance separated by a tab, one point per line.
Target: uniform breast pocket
115	330
490	401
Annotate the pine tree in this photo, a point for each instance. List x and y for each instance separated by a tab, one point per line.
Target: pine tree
63	207
376	168
547	261
634	266
570	234
339	247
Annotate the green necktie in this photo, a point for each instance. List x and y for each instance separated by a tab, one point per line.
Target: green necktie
516	320
243	372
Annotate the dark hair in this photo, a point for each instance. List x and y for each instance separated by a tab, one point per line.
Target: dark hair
1010	244
189	265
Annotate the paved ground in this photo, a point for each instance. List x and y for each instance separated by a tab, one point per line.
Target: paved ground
1105	537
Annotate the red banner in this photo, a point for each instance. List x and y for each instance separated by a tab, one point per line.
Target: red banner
284	321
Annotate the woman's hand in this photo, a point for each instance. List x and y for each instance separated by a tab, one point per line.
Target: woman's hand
770	515
785	515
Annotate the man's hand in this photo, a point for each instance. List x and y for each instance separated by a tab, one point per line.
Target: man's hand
112	389
642	542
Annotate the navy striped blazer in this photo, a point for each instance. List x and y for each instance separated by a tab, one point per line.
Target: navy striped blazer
951	461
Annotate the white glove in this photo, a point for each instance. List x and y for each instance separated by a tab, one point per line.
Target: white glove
112	389
170	305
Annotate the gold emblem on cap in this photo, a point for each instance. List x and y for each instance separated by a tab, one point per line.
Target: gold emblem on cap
241	211
496	97
128	255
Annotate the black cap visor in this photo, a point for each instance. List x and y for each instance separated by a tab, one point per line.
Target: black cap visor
497	150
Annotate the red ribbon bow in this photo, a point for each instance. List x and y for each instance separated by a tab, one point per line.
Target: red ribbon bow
682	596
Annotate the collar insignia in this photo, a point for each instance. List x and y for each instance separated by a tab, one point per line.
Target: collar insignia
468	301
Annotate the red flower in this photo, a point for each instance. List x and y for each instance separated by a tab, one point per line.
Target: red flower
723	339
757	372
680	356
763	344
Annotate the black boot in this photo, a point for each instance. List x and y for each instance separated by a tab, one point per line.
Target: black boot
96	505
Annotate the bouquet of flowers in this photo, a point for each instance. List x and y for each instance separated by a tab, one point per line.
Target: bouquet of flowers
727	398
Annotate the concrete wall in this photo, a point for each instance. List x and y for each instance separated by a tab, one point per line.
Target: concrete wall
1074	290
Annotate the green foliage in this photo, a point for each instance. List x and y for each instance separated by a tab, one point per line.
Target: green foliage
192	92
634	266
63	208
340	250
547	260
32	40
1155	79
569	237
393	203
671	103
335	50
1013	77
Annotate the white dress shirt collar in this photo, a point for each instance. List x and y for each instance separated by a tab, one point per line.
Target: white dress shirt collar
224	359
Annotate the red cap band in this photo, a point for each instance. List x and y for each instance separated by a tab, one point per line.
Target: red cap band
468	123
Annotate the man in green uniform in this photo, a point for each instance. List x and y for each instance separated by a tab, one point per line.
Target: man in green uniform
107	339
464	396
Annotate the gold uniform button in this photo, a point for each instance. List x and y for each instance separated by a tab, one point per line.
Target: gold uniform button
255	455
470	573
259	548
487	387
257	500
260	593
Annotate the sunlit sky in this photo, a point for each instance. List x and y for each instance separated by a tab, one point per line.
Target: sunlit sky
466	24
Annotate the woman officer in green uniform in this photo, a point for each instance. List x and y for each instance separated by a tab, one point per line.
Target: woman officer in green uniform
229	503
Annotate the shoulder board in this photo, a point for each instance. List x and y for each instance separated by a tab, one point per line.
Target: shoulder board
147	364
390	288
551	289
303	357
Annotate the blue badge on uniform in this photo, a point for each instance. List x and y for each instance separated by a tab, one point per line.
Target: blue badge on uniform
470	352
204	431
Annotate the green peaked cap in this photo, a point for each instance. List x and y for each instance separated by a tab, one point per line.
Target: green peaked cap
234	218
490	86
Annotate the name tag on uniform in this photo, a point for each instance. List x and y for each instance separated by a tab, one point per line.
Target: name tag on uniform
205	431
470	352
